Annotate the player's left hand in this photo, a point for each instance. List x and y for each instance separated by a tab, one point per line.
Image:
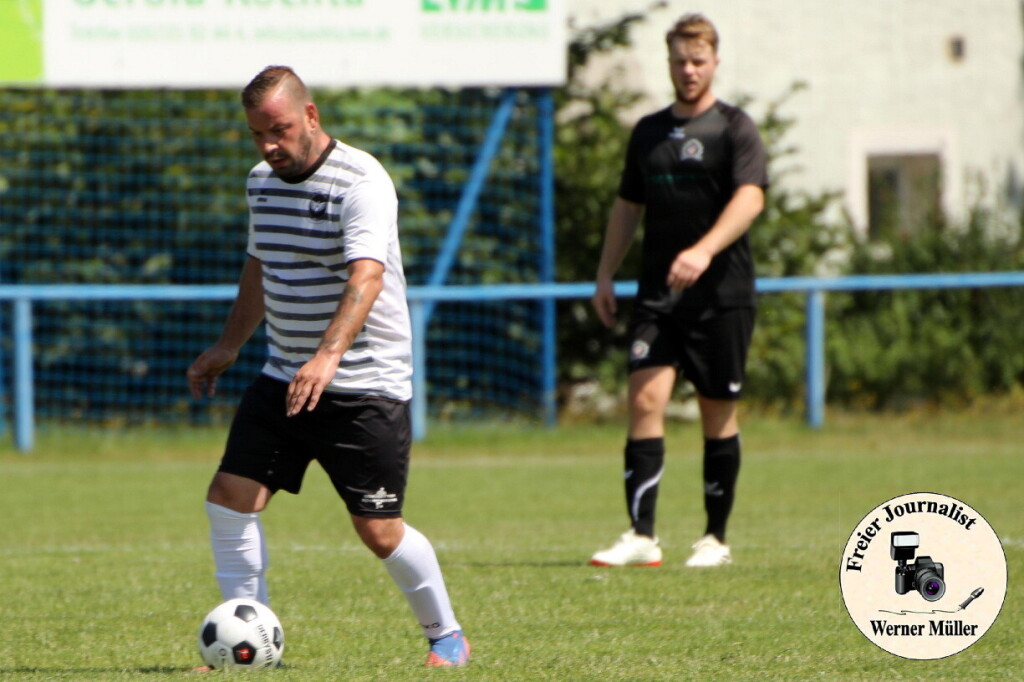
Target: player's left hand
687	268
309	383
203	372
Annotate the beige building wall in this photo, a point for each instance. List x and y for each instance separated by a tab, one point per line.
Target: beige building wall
883	79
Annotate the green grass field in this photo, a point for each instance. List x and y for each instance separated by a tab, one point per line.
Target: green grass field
105	569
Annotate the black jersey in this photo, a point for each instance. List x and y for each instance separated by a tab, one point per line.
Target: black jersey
684	172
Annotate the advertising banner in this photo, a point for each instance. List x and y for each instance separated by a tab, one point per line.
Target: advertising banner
331	43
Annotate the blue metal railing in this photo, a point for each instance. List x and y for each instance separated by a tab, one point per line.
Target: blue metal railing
23	296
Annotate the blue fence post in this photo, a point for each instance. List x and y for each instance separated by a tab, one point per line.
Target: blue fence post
815	349
549	333
418	321
24	418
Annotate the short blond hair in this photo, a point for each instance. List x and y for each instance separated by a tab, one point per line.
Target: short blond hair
693	26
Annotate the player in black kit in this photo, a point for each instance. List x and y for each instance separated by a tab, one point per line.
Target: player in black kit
695	174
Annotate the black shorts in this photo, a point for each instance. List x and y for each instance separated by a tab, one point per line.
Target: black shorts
362	442
709	346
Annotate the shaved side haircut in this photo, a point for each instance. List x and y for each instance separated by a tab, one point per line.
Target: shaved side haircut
268	80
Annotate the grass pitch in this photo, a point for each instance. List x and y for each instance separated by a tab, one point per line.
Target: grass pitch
105	569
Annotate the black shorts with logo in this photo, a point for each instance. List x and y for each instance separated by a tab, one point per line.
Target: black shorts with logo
709	345
362	442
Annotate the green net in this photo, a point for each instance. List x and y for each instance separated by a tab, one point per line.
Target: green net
147	187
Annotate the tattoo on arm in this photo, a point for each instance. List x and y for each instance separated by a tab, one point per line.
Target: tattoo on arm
347	322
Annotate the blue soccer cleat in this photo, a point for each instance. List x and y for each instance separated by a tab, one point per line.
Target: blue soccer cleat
449	651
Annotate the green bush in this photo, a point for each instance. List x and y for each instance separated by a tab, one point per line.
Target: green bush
890	348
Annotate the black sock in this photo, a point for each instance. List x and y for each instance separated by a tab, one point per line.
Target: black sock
721	467
645	459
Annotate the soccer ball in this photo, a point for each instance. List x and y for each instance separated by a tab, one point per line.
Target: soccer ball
241	633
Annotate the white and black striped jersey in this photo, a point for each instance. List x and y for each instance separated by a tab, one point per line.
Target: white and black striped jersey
305	231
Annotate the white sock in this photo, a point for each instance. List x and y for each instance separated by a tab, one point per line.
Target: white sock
414	568
239	553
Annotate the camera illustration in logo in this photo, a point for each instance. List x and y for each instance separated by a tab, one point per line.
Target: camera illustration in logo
924	575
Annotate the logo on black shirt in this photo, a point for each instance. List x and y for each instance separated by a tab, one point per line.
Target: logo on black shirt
692	149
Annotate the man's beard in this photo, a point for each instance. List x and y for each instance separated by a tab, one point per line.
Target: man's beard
682	98
297	165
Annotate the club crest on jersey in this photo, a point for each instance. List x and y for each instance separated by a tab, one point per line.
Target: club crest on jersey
639	350
693	149
318	206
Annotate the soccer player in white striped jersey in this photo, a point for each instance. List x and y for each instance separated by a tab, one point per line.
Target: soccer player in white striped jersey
324	273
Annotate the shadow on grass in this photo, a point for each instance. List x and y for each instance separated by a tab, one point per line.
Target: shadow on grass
40	670
526	564
148	670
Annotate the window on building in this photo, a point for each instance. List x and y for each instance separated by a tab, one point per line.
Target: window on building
904	194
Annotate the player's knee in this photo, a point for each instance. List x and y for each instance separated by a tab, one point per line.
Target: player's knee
381	536
647	403
237	493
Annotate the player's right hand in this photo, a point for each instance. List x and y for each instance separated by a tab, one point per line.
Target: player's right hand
604	303
204	370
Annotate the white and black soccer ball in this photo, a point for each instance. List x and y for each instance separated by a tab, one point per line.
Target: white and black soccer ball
241	633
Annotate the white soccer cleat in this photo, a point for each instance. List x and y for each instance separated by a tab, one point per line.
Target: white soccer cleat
629	550
708	552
